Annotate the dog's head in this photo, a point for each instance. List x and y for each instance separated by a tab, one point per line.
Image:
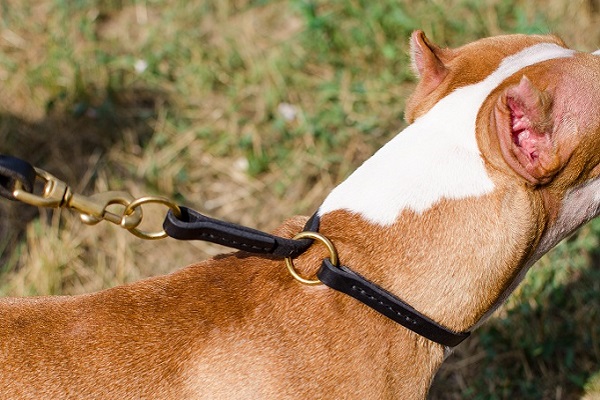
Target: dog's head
541	123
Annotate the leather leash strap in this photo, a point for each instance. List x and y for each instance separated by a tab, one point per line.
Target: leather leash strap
13	170
192	225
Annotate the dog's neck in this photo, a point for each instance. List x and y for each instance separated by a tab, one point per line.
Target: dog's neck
429	221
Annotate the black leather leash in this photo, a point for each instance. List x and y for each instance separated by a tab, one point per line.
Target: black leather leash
13	170
191	225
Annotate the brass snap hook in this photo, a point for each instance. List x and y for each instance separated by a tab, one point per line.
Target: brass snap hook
333	256
53	195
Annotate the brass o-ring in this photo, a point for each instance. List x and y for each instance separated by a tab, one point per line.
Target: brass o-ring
333	256
145	200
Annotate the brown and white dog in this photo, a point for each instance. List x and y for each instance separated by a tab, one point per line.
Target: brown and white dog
501	161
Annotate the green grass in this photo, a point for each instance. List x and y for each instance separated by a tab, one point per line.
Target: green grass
251	111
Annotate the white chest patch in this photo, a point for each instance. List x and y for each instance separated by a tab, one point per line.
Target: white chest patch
435	158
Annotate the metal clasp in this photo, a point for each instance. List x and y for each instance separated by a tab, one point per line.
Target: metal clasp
52	196
93	209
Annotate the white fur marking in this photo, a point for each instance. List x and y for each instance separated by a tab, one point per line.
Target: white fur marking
596	53
434	158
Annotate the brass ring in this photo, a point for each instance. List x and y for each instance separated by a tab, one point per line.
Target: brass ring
333	256
140	202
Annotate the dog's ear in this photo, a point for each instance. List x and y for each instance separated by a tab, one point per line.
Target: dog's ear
427	61
430	65
524	123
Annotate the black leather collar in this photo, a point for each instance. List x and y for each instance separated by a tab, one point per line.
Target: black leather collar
195	226
349	282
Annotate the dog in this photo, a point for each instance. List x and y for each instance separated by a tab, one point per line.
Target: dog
500	161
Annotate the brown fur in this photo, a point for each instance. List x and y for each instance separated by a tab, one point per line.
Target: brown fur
238	326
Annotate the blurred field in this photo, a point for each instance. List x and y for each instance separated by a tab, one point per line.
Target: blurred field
252	111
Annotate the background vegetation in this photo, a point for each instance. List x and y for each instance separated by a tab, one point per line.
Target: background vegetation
252	110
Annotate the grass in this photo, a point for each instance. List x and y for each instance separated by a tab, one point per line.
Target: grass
252	111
